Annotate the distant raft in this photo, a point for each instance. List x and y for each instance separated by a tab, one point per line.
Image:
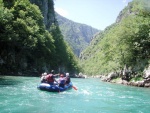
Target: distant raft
54	88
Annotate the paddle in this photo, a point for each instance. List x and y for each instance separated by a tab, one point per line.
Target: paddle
74	88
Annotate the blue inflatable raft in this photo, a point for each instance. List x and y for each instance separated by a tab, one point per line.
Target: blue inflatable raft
54	88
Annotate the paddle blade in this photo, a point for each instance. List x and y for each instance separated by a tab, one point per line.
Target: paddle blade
74	88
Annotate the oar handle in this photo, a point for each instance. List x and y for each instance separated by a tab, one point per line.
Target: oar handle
74	88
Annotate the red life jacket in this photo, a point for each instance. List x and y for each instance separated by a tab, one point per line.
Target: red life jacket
50	78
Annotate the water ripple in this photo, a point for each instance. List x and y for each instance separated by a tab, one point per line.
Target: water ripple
92	96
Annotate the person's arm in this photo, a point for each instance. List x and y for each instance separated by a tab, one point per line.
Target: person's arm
56	75
42	77
56	81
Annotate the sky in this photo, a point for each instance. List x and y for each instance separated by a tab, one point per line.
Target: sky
96	13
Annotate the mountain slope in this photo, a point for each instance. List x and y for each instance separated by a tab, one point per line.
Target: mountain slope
124	43
77	35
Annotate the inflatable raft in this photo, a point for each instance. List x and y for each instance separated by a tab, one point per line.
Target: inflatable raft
54	88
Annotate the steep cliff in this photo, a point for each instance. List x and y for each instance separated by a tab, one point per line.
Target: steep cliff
65	60
47	9
127	11
76	34
26	47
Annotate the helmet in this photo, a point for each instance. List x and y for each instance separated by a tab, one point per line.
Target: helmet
67	74
52	71
45	74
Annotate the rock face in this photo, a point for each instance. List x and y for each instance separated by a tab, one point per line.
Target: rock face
47	9
143	83
76	34
125	13
146	77
147	73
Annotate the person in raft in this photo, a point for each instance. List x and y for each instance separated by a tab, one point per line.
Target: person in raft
67	78
61	81
43	78
50	78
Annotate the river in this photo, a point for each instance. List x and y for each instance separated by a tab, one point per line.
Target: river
20	95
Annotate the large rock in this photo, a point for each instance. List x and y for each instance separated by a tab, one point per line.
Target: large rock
147	73
140	83
112	75
104	78
147	85
124	82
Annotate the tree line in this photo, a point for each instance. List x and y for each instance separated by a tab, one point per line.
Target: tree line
124	43
26	46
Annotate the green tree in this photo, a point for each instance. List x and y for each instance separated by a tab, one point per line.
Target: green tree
124	43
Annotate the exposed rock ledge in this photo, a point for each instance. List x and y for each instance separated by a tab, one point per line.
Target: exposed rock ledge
116	78
144	83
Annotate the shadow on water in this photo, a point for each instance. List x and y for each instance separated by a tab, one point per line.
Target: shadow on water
6	81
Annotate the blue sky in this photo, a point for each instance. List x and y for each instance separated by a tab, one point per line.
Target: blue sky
96	13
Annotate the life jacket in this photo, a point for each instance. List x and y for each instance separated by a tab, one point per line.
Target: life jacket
50	78
61	80
67	80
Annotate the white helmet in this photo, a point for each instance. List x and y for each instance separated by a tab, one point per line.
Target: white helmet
45	74
67	74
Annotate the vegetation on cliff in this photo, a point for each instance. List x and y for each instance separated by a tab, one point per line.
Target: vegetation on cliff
124	43
77	35
25	44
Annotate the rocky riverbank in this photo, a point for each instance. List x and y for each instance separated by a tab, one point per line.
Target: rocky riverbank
126	78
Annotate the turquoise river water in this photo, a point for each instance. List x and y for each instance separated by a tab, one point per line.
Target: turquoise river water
20	95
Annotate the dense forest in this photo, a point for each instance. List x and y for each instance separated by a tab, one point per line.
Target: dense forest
31	41
126	43
27	45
